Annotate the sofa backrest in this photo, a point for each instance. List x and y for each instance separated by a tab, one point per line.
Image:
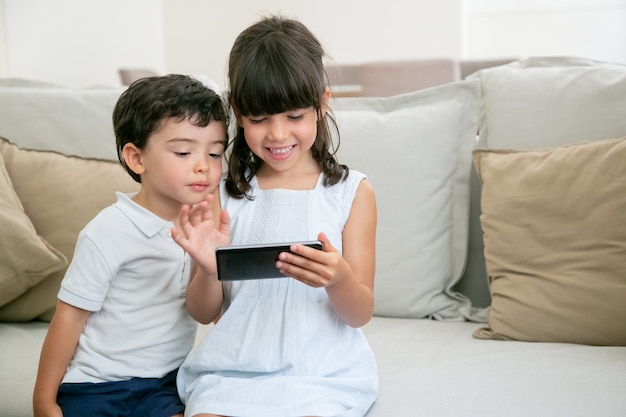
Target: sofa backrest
62	163
416	149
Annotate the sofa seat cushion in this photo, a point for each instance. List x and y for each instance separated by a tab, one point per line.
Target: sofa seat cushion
426	367
436	369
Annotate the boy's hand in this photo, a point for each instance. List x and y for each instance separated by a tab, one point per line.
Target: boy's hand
199	234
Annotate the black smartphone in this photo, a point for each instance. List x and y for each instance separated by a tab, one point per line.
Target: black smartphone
258	261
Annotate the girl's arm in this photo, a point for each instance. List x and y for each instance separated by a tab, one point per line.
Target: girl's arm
57	351
200	230
348	279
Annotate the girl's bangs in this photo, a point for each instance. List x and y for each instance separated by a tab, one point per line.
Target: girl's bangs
272	91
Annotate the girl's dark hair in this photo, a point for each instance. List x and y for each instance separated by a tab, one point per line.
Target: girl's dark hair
276	65
147	103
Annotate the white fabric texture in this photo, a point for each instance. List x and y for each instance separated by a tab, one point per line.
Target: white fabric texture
71	121
436	369
131	274
541	102
416	150
279	349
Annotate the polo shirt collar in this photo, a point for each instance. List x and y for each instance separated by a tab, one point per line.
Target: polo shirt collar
149	223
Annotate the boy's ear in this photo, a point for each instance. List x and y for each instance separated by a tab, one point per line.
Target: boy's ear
133	158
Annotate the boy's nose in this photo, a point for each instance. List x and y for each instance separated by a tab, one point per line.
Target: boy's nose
202	165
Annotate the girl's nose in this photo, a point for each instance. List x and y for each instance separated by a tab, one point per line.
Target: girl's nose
278	130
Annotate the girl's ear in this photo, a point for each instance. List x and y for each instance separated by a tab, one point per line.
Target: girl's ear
237	115
325	100
133	158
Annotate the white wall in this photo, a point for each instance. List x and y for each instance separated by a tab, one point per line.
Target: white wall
84	42
4	65
199	34
81	42
590	28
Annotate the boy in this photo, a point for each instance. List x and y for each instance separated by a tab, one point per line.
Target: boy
121	329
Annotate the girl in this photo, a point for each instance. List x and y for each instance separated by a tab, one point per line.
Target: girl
287	346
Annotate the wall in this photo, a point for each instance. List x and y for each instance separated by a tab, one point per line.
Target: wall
4	65
591	28
82	43
199	34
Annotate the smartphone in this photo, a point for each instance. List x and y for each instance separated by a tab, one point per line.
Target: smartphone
258	261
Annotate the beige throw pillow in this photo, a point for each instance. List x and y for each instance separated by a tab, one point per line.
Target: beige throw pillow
554	223
25	258
60	194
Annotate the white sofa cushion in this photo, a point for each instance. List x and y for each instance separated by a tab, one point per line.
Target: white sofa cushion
549	101
423	142
71	121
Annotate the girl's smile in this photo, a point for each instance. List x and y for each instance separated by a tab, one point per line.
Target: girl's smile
283	140
281	153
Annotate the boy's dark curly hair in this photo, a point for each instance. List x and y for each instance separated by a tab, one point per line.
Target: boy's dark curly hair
148	102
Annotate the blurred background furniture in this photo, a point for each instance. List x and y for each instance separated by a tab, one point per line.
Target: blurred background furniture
468	67
384	79
388	78
345	80
128	75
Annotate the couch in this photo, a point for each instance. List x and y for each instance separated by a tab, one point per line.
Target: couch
501	248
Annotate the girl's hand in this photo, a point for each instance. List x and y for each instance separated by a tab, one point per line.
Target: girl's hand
317	268
199	233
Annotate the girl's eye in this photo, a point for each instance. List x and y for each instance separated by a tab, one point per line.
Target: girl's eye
215	155
296	117
182	153
256	121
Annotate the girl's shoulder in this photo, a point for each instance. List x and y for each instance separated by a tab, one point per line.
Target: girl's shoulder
350	182
344	191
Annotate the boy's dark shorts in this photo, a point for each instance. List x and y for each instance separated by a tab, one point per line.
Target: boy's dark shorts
136	397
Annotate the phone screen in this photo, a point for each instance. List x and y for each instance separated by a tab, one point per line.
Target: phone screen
242	262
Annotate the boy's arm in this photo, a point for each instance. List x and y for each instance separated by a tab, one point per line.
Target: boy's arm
204	296
57	351
199	231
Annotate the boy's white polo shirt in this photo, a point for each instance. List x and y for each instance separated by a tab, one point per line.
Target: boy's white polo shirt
131	274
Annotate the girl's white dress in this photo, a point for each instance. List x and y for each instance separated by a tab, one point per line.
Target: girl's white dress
279	349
